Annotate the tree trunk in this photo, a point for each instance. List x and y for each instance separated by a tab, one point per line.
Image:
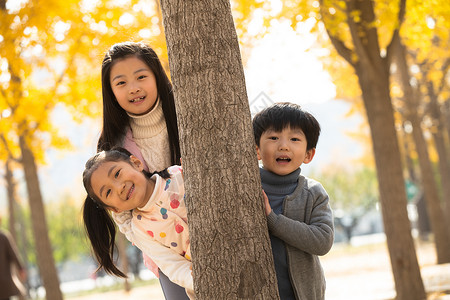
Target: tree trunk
10	188
423	224
397	227
439	141
439	225
437	221
44	251
11	194
229	237
447	117
124	265
373	76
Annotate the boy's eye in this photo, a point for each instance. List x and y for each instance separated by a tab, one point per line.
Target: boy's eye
274	138
295	139
117	174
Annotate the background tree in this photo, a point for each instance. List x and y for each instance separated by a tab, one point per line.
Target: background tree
359	45
430	187
229	237
425	36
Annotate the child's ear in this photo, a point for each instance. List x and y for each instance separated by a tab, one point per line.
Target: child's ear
136	163
309	155
257	153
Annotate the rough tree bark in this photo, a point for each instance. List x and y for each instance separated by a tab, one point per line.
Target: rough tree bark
229	238
373	75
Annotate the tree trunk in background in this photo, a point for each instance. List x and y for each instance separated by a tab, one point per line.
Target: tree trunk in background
229	237
44	251
397	227
122	246
373	76
447	117
11	195
439	225
10	189
437	131
423	224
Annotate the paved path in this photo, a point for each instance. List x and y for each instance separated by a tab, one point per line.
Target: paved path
353	273
364	273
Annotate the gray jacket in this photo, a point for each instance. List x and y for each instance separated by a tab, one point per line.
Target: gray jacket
306	227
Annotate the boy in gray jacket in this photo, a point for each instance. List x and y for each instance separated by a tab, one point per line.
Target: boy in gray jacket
298	214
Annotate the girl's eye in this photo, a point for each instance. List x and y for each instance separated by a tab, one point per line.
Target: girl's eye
107	193
117	174
120	83
142	76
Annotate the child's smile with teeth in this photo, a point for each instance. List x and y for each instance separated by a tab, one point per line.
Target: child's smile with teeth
137	99
283	159
130	192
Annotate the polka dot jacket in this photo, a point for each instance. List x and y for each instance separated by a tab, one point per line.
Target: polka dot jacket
164	217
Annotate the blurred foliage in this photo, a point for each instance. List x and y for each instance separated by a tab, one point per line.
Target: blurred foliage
65	230
352	190
51	54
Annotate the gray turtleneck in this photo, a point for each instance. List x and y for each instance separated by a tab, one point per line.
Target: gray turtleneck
277	188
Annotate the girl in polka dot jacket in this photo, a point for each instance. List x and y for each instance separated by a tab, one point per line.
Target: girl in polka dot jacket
146	207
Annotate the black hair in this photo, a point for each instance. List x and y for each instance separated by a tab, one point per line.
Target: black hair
98	223
115	119
285	114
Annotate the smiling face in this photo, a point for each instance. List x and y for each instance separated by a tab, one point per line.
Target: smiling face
120	185
283	152
134	85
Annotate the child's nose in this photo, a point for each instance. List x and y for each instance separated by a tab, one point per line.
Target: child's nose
283	145
120	188
134	88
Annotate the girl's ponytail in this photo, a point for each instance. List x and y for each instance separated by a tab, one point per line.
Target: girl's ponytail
101	232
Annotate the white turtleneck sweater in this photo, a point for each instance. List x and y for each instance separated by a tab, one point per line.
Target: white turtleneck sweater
150	135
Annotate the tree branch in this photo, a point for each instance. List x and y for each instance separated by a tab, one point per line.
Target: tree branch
444	70
396	35
5	142
338	44
360	49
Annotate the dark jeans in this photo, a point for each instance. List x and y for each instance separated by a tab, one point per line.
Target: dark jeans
172	291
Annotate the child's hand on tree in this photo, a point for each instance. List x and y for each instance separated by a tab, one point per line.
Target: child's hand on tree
267	207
